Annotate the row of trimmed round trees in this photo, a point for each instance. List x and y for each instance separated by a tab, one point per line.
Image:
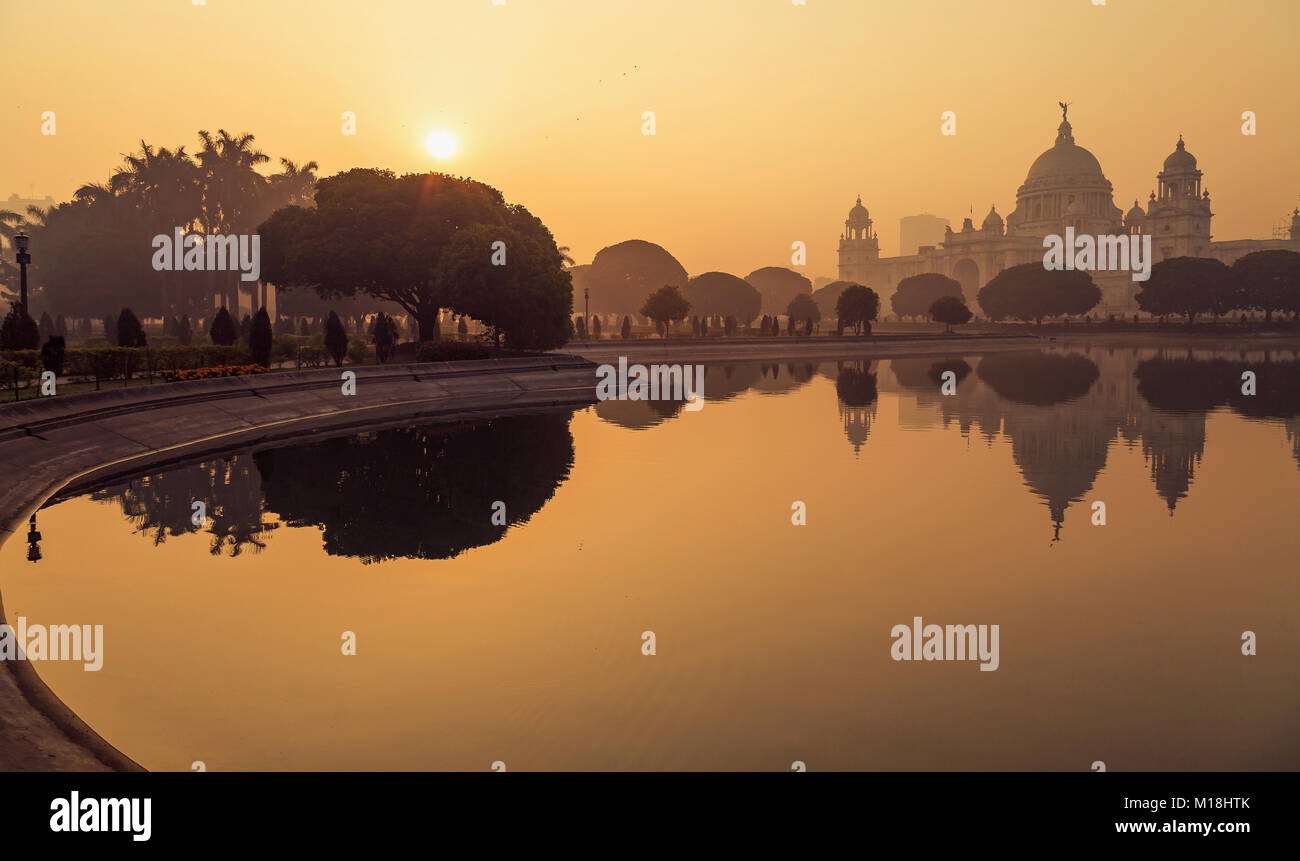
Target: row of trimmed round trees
621	276
1267	281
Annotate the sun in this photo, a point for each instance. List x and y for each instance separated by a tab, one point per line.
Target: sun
440	144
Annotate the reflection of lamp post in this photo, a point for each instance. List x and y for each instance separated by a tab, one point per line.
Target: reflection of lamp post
586	307
33	537
20	242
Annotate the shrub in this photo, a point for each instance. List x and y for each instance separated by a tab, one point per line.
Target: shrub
53	354
384	335
336	339
13	371
357	351
260	337
223	332
129	331
19	331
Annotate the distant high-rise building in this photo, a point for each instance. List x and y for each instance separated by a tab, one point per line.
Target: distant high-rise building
917	230
19	204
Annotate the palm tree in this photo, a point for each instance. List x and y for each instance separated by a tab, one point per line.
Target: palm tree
232	188
564	256
10	224
294	186
164	188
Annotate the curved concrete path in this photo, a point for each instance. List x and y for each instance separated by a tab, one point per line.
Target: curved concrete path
49	444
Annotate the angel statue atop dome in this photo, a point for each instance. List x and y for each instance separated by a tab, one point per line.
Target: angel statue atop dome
1065	107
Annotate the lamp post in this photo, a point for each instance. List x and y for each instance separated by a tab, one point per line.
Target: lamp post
33	541
20	242
586	307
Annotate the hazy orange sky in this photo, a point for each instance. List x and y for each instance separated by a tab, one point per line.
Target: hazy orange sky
771	117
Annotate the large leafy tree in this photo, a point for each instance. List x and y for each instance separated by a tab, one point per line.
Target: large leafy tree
1269	281
622	275
665	306
375	233
1188	286
778	286
802	307
518	288
857	306
1030	292
915	294
723	295
827	296
951	311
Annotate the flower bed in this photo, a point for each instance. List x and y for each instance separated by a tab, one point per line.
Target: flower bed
185	375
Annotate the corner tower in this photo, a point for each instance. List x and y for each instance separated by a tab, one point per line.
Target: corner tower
859	247
1178	215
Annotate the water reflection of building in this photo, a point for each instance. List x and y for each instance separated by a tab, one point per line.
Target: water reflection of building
857	423
856	394
1062	447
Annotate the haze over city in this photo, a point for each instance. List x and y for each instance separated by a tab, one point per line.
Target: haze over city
770	118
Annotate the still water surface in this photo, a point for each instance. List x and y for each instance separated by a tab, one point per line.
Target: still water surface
479	643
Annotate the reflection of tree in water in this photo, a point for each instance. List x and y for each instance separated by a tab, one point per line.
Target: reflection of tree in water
1039	379
778	379
1187	384
161	504
1186	388
423	493
721	382
912	373
855	389
639	414
960	371
1293	436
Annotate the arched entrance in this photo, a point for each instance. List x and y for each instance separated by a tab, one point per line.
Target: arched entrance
968	275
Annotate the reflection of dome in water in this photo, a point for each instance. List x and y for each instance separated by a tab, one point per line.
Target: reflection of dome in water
1173	444
1059	454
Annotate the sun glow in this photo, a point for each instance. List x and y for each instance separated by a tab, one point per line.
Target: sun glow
440	144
